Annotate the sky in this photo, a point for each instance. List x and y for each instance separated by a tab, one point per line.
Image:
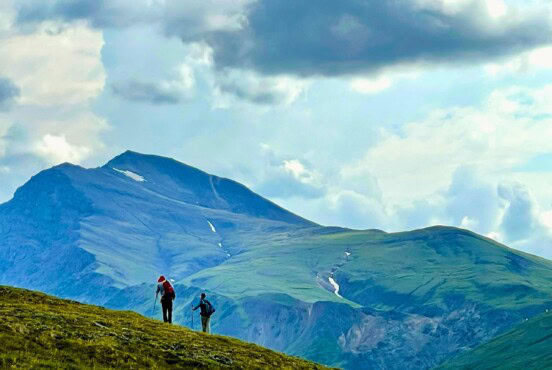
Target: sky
393	115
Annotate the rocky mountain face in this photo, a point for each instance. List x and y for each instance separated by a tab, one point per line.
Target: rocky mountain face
348	298
527	346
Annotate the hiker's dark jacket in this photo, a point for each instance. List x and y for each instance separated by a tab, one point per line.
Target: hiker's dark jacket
203	306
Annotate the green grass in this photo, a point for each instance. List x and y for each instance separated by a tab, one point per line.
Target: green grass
526	347
40	331
423	267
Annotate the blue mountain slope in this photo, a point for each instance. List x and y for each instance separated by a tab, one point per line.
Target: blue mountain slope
177	181
355	299
130	229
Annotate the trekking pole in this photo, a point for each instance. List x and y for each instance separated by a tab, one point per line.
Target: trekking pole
154	302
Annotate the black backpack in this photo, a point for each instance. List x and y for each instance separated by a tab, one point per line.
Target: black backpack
209	309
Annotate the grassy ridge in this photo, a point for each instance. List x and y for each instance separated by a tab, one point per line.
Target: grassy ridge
525	347
422	267
40	331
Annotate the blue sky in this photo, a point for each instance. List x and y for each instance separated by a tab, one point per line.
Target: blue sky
392	115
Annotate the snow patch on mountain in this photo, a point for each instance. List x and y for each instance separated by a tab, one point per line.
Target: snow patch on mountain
335	285
212	227
130	174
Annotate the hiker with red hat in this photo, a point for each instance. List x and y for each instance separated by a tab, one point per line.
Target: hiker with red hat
167	296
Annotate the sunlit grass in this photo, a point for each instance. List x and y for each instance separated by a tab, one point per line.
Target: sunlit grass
40	331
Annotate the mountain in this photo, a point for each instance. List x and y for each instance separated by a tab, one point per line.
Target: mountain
527	346
347	298
39	331
118	230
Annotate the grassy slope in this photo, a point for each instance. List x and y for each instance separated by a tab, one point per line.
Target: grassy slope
428	265
525	347
37	330
425	266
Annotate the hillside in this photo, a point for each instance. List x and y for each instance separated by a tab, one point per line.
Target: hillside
527	346
42	331
346	298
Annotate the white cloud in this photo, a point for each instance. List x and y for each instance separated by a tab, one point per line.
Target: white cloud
59	71
233	85
450	169
371	85
56	150
7	15
301	173
496	8
506	131
56	139
385	79
287	178
530	61
52	67
546	219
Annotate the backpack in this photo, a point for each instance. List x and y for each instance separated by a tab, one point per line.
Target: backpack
169	290
209	309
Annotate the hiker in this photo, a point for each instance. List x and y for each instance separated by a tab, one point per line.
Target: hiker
207	310
167	296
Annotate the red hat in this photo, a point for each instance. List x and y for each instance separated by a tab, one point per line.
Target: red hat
161	279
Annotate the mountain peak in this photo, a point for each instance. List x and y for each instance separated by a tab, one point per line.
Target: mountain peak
191	185
139	161
132	156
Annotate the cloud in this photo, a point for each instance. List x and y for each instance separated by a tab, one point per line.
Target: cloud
190	19
172	91
61	135
351	209
257	89
288	178
523	224
5	125
471	202
327	37
510	127
529	61
56	149
384	80
8	92
58	72
451	168
151	92
371	85
284	186
101	13
53	68
351	37
520	220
